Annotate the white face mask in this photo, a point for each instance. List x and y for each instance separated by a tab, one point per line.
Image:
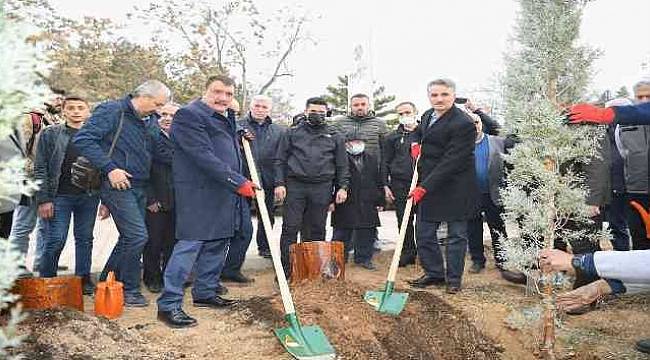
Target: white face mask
408	120
355	148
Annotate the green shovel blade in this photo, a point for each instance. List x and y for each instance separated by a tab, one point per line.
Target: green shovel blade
387	301
305	342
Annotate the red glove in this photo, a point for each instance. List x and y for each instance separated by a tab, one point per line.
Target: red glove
247	189
417	194
415	150
591	114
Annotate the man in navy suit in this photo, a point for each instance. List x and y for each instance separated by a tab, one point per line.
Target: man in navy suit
210	190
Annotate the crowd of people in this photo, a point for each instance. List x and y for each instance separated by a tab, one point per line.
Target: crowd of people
175	182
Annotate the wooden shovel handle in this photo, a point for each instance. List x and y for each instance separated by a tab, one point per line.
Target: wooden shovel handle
274	244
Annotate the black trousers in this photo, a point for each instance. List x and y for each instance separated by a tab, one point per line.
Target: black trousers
497	228
161	227
400	190
5	224
262	241
635	223
305	207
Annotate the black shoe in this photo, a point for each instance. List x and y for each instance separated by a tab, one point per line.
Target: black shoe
87	285
368	265
237	277
476	268
452	290
215	303
265	254
135	300
154	287
425	281
406	262
514	277
222	290
643	346
176	319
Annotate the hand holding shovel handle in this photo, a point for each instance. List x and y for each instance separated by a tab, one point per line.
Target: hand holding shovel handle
302	342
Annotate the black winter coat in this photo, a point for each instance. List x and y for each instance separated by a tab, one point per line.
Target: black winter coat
366	192
264	147
397	156
161	183
446	167
312	155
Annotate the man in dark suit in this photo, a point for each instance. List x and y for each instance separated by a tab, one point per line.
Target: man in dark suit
160	205
447	189
210	205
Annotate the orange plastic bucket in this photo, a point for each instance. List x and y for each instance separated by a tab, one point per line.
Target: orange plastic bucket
109	298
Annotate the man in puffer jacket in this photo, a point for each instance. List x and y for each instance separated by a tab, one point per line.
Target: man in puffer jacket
363	125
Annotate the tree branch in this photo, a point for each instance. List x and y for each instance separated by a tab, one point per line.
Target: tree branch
292	43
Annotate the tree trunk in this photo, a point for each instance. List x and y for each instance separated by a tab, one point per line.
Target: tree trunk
314	260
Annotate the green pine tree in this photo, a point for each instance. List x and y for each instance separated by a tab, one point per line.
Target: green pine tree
622	92
20	89
337	97
546	71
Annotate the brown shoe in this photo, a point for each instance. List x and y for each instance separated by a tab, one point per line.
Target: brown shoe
513	277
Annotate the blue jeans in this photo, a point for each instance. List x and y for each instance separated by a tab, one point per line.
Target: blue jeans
24	220
431	255
127	208
209	258
361	240
84	208
615	216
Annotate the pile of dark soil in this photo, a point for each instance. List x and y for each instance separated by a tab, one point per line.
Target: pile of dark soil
73	335
428	328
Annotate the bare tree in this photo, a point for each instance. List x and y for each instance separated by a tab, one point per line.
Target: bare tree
225	38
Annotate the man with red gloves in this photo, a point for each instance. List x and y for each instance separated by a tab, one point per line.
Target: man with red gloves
210	205
447	190
623	115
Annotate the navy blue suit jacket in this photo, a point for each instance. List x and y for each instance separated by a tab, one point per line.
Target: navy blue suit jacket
207	170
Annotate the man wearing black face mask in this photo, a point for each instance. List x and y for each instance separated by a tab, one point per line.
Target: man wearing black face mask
311	169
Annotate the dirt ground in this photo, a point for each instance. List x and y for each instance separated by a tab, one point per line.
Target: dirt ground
489	319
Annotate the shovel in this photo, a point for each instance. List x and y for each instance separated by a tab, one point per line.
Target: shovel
387	301
302	342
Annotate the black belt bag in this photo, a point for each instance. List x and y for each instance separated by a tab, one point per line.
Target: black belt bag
84	175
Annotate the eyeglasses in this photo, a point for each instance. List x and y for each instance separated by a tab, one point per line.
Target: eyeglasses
404	113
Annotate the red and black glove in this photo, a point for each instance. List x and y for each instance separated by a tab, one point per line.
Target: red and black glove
247	189
415	150
591	114
417	194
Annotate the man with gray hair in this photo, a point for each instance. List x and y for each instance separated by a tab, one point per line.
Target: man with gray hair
633	143
447	189
125	169
267	139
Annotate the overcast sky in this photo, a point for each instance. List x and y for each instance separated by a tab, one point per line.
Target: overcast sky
415	41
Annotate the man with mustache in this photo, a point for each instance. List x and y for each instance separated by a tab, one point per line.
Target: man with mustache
210	191
125	174
447	190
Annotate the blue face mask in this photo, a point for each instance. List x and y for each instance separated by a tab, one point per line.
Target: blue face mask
355	148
